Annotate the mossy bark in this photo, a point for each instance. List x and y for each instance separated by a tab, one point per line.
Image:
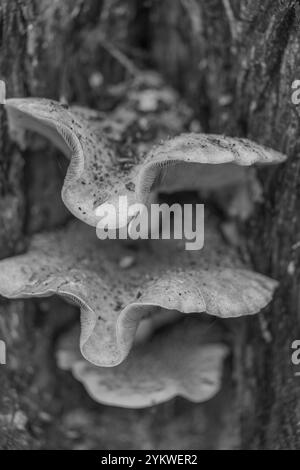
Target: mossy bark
234	61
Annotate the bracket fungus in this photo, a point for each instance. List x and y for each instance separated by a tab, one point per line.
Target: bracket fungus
74	264
185	359
96	173
179	158
101	149
129	291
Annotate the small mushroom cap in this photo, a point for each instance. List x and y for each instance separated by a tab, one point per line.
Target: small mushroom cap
101	169
185	359
182	154
74	264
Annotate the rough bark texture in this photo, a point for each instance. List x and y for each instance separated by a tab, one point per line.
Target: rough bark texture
242	57
235	61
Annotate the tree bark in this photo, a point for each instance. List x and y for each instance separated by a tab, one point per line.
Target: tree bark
240	58
234	61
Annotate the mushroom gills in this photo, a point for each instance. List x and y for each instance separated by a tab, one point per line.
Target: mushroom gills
96	174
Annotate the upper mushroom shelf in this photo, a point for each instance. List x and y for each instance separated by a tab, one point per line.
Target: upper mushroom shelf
102	168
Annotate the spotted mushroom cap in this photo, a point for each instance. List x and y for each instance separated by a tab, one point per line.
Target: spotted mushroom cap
100	170
185	359
114	295
185	152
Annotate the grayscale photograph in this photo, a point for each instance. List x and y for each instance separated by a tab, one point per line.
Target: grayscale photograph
149	227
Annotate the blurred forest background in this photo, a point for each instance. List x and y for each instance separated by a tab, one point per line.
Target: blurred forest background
234	62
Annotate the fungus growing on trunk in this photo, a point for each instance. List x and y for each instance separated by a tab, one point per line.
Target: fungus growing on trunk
185	359
97	175
103	149
74	264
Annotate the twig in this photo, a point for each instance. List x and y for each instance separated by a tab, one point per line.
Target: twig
119	56
231	19
193	10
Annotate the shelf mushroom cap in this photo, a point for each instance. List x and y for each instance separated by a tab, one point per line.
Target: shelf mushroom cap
184	153
97	174
74	264
185	359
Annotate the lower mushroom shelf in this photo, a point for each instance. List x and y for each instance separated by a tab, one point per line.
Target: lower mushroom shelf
184	359
74	264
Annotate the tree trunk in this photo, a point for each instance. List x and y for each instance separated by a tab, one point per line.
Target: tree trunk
234	61
240	58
